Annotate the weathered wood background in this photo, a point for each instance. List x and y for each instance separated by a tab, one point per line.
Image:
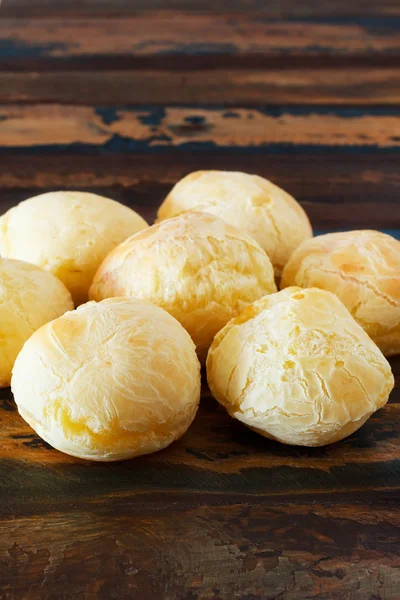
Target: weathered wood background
123	98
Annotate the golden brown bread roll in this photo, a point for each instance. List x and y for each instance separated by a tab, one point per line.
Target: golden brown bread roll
363	269
68	234
29	298
249	202
195	266
109	381
296	367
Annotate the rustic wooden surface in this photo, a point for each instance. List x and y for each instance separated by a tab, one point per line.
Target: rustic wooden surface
123	98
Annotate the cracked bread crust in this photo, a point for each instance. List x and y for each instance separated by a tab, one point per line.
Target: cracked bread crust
195	266
296	367
68	234
249	202
363	269
109	381
29	298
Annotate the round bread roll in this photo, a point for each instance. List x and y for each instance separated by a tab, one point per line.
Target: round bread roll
363	269
109	381
249	202
68	234
297	368
197	267
29	298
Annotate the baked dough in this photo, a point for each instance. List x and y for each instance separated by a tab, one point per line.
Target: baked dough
363	269
195	266
29	298
68	234
296	367
109	381
265	211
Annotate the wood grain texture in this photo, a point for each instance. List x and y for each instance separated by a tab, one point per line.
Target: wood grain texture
29	63
219	446
122	129
337	191
270	8
312	86
222	551
174	33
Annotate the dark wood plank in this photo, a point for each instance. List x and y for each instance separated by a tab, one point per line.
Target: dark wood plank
29	62
339	190
252	517
218	455
356	86
216	449
174	33
257	550
272	9
127	128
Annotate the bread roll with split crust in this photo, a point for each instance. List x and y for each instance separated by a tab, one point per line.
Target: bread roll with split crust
363	269
109	381
249	202
297	368
195	266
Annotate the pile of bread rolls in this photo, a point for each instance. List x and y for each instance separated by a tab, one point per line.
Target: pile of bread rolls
120	375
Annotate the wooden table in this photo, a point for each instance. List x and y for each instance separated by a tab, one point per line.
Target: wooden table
123	98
